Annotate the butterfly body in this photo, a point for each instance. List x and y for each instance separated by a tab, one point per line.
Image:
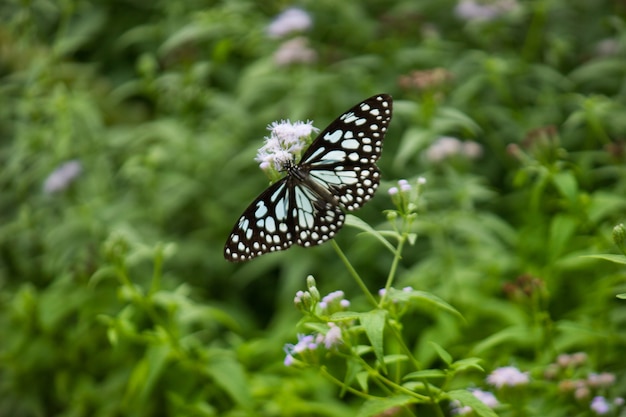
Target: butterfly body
337	172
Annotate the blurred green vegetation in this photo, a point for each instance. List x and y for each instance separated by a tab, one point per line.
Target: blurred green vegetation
115	299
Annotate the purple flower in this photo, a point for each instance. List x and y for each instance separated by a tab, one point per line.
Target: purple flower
600	405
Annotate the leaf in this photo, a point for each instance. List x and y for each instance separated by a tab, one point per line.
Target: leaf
426	374
618	259
413	140
344	316
467	398
146	373
567	185
373	323
467	363
378	406
229	375
517	335
429	299
360	224
442	353
395	358
562	228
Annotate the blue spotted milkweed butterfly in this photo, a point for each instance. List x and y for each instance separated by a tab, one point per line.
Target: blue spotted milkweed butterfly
337	172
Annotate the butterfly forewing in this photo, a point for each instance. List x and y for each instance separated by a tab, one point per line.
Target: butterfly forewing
338	171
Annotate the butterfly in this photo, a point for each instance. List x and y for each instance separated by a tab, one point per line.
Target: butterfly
337	172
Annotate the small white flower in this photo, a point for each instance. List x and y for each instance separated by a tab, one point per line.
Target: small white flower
508	376
603	380
305	342
62	177
295	51
447	146
460	410
421	180
486	397
393	191
291	20
289	360
472	149
443	148
333	336
473	10
335	295
344	303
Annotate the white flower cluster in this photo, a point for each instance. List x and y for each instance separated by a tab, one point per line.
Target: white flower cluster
481	11
308	345
296	50
333	302
289	21
446	147
285	142
508	376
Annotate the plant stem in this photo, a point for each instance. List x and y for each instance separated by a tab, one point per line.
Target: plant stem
394	267
354	274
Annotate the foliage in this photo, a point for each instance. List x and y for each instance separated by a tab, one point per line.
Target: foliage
128	132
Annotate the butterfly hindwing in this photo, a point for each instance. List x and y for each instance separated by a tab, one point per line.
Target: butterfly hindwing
316	219
338	171
265	226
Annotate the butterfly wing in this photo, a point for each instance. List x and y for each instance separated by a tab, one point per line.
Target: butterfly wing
337	171
265	226
343	157
286	212
316	216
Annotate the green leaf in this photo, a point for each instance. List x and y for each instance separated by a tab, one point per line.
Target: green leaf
425	374
443	354
467	363
373	323
562	228
395	358
360	224
379	406
229	374
415	296
344	316
567	185
467	398
618	259
147	372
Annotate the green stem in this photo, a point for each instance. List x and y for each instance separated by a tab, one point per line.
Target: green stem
392	270
354	274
